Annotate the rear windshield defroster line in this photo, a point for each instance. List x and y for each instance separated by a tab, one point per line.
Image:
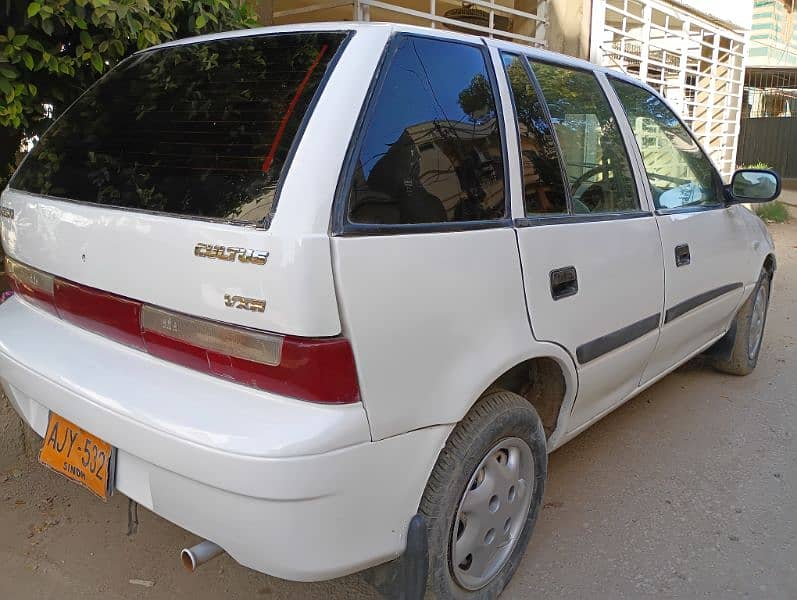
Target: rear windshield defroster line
199	130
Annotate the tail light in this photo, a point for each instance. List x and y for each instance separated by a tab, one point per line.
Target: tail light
100	312
36	286
313	369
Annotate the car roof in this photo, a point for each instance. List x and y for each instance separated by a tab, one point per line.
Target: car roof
530	51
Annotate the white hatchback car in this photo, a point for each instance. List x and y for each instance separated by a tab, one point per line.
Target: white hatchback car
295	288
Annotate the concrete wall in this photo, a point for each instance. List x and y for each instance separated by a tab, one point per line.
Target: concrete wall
569	27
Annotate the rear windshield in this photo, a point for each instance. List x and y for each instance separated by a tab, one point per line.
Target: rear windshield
200	130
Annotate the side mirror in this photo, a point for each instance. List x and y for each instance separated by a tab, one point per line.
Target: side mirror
754	185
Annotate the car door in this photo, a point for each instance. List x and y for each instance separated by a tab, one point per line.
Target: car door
706	257
590	252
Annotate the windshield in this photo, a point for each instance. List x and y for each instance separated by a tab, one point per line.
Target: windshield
199	130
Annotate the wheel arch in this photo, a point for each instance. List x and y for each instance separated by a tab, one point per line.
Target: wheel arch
770	264
546	378
721	350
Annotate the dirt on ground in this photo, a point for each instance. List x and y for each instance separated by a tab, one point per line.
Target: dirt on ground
689	490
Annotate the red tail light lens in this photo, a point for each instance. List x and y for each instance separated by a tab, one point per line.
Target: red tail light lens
100	312
317	370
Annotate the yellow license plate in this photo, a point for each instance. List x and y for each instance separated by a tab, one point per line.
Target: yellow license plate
79	456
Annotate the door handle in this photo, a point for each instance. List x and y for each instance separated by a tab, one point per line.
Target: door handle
564	283
682	256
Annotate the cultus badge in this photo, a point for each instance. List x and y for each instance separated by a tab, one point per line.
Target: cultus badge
244	255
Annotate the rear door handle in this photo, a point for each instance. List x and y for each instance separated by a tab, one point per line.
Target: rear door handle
682	256
564	282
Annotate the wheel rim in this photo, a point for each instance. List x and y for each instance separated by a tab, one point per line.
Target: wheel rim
492	513
757	321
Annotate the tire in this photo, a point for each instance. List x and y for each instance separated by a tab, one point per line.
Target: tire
747	330
500	441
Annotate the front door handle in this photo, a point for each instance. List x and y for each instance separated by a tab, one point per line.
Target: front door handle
564	283
682	256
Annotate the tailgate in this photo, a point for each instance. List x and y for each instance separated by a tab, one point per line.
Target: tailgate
160	184
154	259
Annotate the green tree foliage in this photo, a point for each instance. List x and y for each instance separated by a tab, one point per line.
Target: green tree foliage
52	50
476	100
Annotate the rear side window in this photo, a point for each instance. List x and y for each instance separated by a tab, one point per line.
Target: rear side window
543	189
431	149
596	161
199	130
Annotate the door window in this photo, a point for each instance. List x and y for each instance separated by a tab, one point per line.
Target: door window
431	150
680	175
543	188
596	161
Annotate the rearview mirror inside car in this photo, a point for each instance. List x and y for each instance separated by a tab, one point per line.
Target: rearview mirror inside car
754	185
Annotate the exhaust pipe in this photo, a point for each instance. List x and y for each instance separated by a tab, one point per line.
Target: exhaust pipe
198	555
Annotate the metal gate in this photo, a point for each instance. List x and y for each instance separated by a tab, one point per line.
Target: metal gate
770	140
697	64
768	132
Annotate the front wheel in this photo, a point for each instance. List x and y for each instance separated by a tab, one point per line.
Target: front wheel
483	498
749	331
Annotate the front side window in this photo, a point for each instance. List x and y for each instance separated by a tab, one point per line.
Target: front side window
197	130
431	150
596	161
680	175
543	189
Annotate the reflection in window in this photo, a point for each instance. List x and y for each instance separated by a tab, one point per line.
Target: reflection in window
202	129
431	151
542	179
678	171
596	161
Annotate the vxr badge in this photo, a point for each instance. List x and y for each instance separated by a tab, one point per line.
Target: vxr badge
244	255
252	304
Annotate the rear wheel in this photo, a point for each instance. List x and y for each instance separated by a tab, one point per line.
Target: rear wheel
749	331
483	498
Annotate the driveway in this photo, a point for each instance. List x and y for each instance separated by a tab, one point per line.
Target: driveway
689	490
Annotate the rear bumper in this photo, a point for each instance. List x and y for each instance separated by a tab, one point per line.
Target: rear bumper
293	489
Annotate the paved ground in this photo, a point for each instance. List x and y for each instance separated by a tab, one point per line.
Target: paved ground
689	490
